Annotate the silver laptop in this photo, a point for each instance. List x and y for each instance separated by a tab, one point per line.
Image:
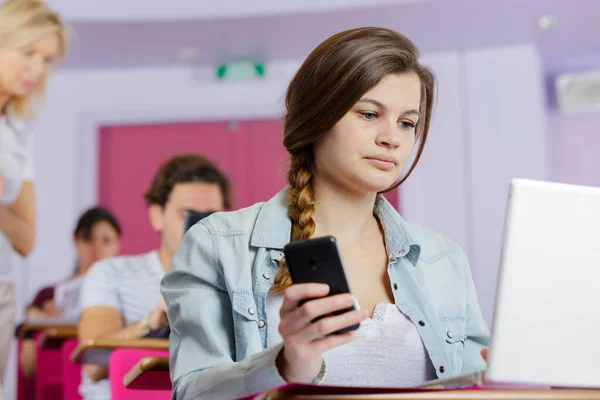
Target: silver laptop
546	328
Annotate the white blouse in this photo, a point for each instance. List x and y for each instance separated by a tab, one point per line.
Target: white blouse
387	352
16	165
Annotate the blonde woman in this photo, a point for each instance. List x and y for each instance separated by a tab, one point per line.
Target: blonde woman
32	38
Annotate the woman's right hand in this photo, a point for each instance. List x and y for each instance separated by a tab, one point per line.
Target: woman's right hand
304	341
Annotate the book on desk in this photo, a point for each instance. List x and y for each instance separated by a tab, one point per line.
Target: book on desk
313	392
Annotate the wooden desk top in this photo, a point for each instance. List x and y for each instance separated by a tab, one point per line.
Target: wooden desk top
54	336
452	395
112	344
149	373
31	326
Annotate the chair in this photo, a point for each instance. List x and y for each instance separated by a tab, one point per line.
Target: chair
71	373
25	385
121	362
48	372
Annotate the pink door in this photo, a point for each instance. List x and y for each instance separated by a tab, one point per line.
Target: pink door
251	153
130	157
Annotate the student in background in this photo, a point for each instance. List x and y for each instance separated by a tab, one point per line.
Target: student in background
356	108
121	296
96	237
32	38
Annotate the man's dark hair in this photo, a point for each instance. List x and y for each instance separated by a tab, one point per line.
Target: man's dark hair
187	168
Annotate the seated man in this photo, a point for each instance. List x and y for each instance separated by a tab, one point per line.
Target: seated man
120	296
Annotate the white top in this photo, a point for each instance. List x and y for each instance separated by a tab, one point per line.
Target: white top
16	164
130	284
67	298
387	352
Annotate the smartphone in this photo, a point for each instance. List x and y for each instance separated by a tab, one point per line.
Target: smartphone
318	261
192	217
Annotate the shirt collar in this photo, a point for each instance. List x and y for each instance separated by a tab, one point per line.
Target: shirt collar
273	227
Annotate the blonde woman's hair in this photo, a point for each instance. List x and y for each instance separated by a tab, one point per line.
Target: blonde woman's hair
23	22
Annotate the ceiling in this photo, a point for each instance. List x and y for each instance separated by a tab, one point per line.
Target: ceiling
130	10
574	43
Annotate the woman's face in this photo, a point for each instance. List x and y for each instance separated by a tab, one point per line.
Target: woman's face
23	68
367	150
104	242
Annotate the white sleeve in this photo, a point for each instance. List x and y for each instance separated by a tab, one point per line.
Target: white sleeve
100	286
9	168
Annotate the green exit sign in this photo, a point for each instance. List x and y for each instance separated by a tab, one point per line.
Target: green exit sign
241	70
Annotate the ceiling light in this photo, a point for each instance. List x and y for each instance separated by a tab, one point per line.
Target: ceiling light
548	21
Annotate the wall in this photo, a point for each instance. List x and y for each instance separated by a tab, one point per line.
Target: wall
574	141
507	139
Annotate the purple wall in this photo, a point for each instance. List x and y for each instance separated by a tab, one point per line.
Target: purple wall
574	146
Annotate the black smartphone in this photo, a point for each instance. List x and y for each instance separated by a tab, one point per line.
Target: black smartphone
161	333
192	217
318	261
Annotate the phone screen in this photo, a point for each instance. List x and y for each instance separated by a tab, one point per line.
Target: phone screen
318	260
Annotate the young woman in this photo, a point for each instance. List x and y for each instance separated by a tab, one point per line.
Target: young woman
97	236
32	37
357	108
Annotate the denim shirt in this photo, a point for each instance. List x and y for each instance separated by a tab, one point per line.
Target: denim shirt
221	273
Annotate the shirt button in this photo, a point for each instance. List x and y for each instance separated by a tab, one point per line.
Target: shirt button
449	334
395	286
266	276
251	311
261	323
442	369
422	323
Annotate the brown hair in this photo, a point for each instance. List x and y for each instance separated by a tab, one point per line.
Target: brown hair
328	84
186	168
89	219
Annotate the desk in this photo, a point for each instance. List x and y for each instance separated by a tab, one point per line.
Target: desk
53	337
451	395
97	351
149	373
33	325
